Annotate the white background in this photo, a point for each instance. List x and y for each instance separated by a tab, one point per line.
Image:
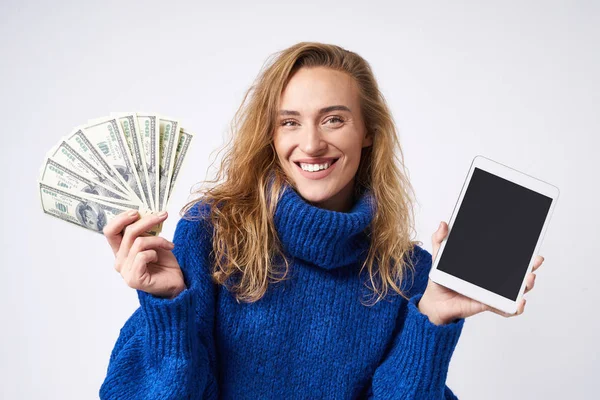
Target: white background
516	81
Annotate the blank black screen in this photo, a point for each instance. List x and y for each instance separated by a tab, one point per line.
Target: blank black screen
494	234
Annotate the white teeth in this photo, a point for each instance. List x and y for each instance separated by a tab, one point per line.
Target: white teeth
314	167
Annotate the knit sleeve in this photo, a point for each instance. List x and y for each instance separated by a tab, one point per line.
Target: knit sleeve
417	363
166	348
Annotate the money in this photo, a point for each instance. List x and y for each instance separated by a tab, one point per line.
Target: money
78	209
151	144
61	176
82	145
182	148
128	161
131	131
65	155
169	136
107	136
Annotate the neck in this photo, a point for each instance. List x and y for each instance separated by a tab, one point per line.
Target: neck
329	239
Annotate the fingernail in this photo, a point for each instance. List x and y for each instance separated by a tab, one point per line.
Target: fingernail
132	213
161	214
440	225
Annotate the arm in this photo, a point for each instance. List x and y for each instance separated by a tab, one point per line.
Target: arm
417	363
166	348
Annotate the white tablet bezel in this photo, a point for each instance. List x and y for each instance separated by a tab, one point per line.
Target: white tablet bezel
473	291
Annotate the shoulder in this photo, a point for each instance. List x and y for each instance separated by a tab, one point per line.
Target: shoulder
416	282
422	258
198	210
195	224
193	239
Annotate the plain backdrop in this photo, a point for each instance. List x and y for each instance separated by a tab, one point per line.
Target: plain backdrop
515	81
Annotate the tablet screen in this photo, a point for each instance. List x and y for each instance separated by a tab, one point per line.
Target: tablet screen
494	234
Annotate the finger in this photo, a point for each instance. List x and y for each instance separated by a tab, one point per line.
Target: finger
496	311
137	275
142	243
530	282
437	238
132	232
114	229
441	232
537	262
138	228
520	310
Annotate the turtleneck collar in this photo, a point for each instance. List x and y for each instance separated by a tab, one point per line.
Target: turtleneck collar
328	239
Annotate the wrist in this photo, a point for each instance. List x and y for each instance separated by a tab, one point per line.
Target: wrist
178	292
174	293
427	309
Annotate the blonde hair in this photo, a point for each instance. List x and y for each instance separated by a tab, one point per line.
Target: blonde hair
243	199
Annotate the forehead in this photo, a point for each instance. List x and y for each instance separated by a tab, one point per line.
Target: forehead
312	88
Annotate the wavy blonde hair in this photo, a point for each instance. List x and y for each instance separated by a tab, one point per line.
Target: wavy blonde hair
243	198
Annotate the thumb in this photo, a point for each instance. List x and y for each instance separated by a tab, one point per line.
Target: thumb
437	237
442	231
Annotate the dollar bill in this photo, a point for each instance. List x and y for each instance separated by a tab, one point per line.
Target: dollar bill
66	155
55	174
106	134
131	130
169	137
185	138
148	124
77	209
82	145
83	211
128	161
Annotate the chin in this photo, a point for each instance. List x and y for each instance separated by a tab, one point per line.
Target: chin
318	191
314	194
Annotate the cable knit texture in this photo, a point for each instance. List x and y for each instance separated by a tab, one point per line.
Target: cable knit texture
309	337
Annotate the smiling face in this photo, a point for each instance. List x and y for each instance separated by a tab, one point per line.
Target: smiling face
320	134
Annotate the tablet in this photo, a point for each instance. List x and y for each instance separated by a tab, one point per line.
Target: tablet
495	232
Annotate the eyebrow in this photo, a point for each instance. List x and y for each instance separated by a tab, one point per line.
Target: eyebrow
321	111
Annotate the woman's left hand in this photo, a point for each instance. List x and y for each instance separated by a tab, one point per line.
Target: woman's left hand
443	305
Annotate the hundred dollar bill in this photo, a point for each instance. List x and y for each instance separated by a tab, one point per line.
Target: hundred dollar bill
169	136
77	209
92	214
66	155
78	140
56	174
131	130
185	138
106	134
148	124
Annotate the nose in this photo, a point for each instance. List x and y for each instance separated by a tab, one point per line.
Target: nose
312	141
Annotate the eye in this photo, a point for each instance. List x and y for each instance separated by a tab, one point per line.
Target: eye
335	120
284	123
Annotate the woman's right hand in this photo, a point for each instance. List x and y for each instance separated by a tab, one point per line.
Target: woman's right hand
145	262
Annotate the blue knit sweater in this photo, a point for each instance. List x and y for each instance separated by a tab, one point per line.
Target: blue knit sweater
309	337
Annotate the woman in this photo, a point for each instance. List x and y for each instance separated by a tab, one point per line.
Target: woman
262	293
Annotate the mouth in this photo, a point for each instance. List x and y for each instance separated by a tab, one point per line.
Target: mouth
316	168
315	165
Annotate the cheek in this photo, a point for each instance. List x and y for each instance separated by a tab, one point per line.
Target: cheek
281	148
352	151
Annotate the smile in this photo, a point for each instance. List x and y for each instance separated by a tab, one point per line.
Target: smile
317	169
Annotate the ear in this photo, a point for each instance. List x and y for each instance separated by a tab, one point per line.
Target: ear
368	139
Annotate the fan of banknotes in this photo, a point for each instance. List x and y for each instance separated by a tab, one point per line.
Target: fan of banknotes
127	161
